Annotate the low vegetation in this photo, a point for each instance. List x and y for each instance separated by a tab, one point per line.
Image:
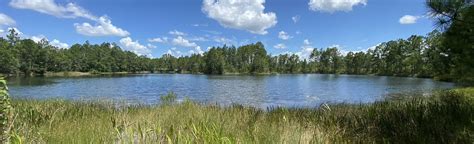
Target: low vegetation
444	117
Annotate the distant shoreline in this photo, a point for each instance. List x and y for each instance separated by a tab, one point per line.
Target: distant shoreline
79	74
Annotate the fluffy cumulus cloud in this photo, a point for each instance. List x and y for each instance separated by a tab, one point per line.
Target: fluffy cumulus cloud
283	35
178	53
246	15
70	10
54	42
306	49
280	46
180	41
103	27
58	44
196	50
37	38
408	19
174	52
334	5
135	46
6	20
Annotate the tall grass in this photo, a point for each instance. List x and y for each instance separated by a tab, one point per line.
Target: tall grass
446	117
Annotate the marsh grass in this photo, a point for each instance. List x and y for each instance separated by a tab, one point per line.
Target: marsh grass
445	117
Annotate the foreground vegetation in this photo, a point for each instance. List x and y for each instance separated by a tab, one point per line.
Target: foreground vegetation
445	117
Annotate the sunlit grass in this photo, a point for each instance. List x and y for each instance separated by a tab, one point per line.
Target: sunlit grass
446	117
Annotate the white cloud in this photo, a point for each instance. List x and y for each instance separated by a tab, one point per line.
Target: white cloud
6	20
305	53
160	40
295	18
59	44
373	47
135	46
180	41
2	31
280	46
70	10
246	15
177	33
198	39
16	30
150	46
306	49
197	50
335	46
55	42
174	52
103	28
306	42
224	40
408	19
331	6
283	35
341	49
38	38
177	53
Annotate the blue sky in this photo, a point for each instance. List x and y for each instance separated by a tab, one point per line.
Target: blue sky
182	27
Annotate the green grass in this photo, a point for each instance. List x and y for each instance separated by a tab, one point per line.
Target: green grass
445	117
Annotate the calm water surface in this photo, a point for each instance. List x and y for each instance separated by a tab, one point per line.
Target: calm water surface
258	91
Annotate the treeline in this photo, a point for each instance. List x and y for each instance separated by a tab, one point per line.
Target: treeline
28	57
415	56
446	55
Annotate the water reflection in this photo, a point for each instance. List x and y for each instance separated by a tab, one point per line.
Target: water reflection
258	91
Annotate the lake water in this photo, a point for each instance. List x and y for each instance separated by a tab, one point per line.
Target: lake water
259	91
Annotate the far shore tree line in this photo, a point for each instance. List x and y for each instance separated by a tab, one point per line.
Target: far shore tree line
446	54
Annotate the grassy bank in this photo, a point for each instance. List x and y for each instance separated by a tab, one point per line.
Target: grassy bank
445	117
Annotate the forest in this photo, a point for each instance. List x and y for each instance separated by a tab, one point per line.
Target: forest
445	53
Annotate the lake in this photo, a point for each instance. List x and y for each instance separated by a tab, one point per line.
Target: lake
290	90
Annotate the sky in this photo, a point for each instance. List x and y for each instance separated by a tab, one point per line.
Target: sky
183	27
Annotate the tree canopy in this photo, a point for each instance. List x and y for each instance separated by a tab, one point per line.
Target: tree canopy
446	53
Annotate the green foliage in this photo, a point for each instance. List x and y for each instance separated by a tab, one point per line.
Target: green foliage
168	99
445	55
445	117
5	111
456	17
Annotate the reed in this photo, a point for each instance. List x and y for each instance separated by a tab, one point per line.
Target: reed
445	117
